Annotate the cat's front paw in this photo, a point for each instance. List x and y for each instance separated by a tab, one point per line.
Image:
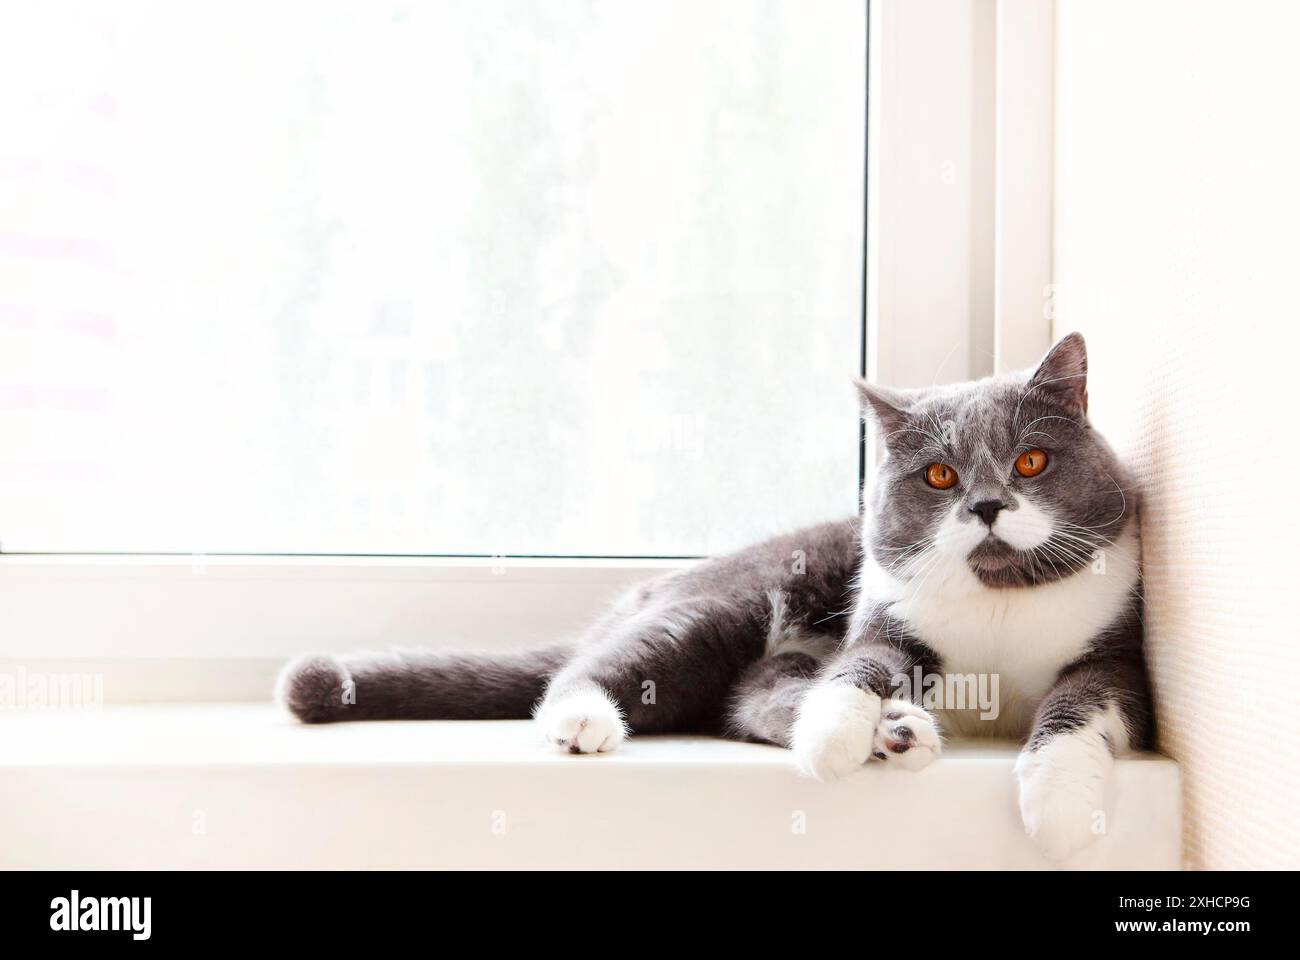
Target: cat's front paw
834	730
586	721
1063	792
907	736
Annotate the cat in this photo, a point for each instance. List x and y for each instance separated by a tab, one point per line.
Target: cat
999	539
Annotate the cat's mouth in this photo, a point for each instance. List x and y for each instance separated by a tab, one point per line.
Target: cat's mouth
998	564
992	555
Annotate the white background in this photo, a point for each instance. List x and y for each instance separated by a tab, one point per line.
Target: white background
504	277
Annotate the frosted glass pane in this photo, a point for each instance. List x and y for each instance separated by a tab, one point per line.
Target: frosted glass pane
537	276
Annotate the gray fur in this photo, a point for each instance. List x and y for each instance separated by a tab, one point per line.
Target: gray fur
1113	672
731	645
418	685
694	635
979	429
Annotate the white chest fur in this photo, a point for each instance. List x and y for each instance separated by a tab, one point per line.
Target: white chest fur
1017	639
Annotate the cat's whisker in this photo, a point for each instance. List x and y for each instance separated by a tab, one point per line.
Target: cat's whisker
1048	555
1108	548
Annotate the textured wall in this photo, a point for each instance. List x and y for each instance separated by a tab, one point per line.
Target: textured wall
1176	250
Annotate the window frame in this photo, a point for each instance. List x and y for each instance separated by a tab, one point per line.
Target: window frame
163	626
174	626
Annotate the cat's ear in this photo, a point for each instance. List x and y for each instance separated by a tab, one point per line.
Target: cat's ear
888	406
1062	377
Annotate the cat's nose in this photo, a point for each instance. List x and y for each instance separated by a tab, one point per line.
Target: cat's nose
988	510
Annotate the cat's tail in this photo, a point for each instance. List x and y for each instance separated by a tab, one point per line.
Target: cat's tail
418	685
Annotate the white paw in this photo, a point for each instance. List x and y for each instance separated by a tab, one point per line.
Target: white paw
834	730
587	721
1063	792
907	737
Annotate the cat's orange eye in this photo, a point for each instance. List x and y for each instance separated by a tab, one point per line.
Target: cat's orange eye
940	476
1031	463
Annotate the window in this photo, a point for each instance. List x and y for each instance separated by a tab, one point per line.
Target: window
512	277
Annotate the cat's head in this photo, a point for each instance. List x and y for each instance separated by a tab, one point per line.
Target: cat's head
1004	474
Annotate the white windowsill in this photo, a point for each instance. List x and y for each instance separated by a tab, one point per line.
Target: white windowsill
316	565
218	628
243	785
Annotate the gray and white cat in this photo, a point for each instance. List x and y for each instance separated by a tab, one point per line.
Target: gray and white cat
999	540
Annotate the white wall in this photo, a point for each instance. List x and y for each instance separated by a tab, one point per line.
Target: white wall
1176	206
